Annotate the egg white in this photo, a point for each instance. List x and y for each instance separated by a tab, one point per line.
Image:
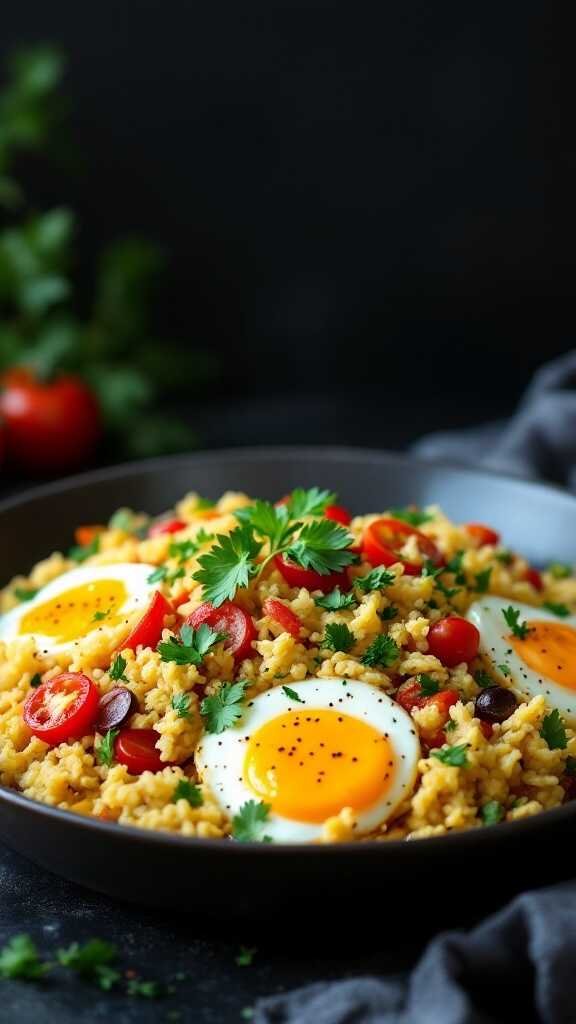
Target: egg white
134	576
220	757
487	616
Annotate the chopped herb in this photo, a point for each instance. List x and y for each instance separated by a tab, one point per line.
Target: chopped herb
337	637
245	956
292	695
433	605
505	669
182	549
203	537
450	725
106	976
270	521
456	756
570	766
203	504
117	669
560	571
309	503
411	514
224	708
19	959
105	751
335	600
505	557
191	647
492	812
87	959
429	568
553	731
123	519
388	613
447	591
483	580
428	686
483	679
36	680
158	575
455	566
247	825
511	616
186	790
376	579
382	651
25	593
561	610
81	552
181	704
143	989
228	565
323	546
100	616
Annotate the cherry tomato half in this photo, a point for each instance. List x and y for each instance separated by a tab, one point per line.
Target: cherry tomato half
482	534
382	540
296	576
136	748
453	640
339	514
533	576
63	708
166	526
231	619
283	615
148	630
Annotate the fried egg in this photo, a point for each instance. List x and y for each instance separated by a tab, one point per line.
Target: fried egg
542	662
345	745
70	607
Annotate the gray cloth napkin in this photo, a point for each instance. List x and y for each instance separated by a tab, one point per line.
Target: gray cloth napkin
523	957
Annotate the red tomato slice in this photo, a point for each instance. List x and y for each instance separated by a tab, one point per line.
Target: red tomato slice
148	630
482	534
534	577
283	615
453	640
409	695
383	538
231	619
339	514
63	708
166	526
136	748
84	535
296	576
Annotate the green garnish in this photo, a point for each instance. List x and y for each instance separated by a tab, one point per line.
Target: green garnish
312	502
191	647
553	731
428	686
81	552
492	812
323	546
504	556
292	695
270	521
181	704
105	751
450	725
91	961
456	757
376	579
483	679
570	766
203	537
505	669
117	669
245	956
229	565
164	575
123	519
561	610
483	580
144	989
560	571
223	709
186	790
455	566
388	613
182	549
36	680
382	651
337	637
511	616
412	515
25	593
100	616
19	959
335	601
203	504
247	825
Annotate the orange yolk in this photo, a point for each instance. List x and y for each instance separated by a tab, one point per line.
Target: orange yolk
550	650
309	764
76	612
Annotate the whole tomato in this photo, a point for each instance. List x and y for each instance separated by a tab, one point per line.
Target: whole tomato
50	426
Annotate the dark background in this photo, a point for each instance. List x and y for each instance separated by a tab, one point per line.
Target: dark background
368	208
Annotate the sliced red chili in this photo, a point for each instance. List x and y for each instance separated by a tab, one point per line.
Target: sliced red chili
148	631
482	534
283	615
383	540
296	576
166	526
231	619
339	514
63	708
84	535
136	748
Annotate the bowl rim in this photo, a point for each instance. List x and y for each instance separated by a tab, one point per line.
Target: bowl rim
362	848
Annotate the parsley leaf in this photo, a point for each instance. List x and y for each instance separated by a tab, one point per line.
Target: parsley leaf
492	812
192	646
450	725
456	756
19	959
561	610
245	956
483	580
292	695
376	579
338	637
223	709
248	823
504	556
428	686
505	669
388	613
570	766
312	502
382	651
186	790
89	959
25	593
455	566
335	600
182	549
100	616
228	565
117	669
203	504
411	514
483	679
511	616
105	751
269	521
553	731
559	571
36	680
181	705
323	546
203	537
81	552
164	574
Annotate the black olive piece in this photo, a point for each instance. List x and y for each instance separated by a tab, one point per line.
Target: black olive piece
115	707
495	704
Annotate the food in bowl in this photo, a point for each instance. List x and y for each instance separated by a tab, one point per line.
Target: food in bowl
289	673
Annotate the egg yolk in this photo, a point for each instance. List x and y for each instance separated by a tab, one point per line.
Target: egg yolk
308	765
550	650
76	612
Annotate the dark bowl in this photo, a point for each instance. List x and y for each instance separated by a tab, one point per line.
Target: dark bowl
223	878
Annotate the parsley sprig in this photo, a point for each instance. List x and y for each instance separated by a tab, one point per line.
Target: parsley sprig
105	751
335	601
186	790
337	637
181	705
376	579
383	651
412	515
292	695
455	757
191	647
225	708
511	617
248	824
561	610
553	731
